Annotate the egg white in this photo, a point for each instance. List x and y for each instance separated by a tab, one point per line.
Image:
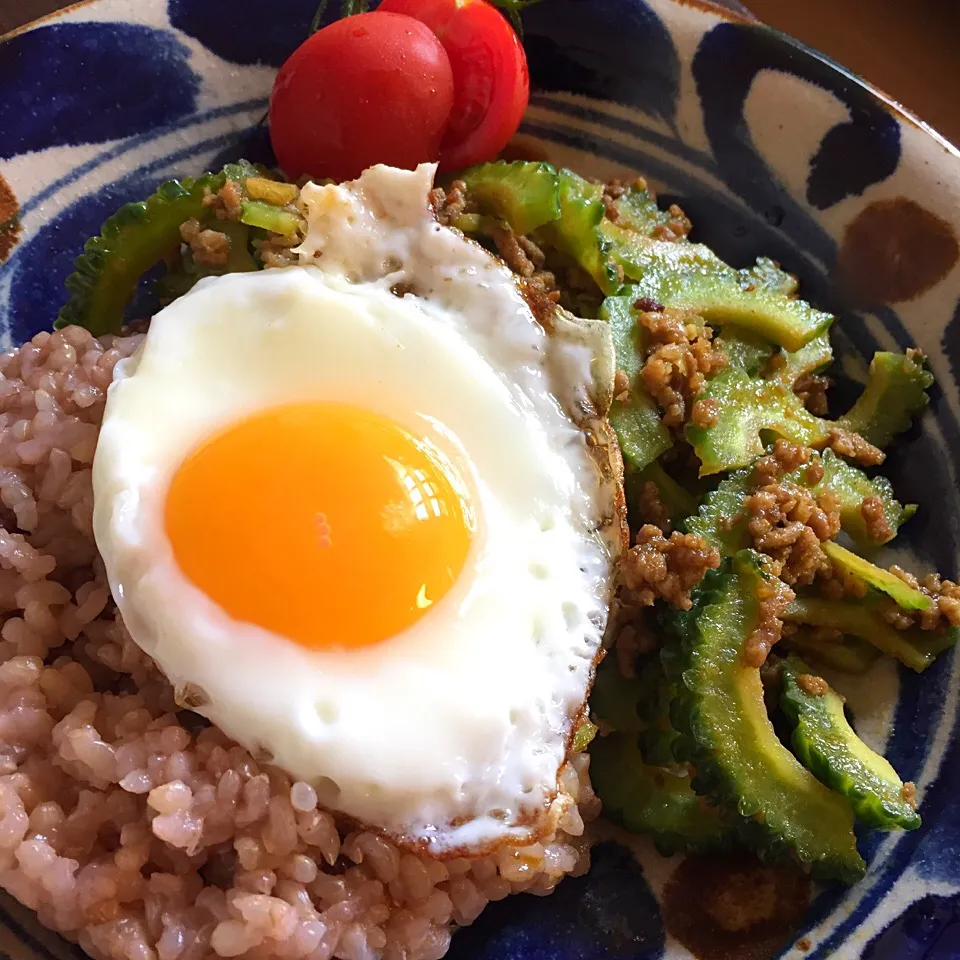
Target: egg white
450	734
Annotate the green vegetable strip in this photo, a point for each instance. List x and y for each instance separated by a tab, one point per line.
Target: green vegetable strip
637	423
132	241
814	356
860	620
679	502
906	596
690	277
525	195
829	748
896	391
654	800
851	486
638	211
576	232
849	655
720	517
256	213
749	406
746	407
721	714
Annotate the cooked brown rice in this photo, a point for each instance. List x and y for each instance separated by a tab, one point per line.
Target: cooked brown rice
128	825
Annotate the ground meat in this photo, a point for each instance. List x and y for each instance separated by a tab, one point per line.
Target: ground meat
874	517
650	507
676	228
209	247
854	447
773	596
839	584
535	255
525	259
788	523
909	794
277	250
783	459
664	568
706	413
946	603
452	203
681	355
226	202
812	390
811	685
612	212
512	254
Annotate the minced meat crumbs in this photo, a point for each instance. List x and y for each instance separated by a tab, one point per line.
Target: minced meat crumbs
944	593
773	597
209	247
681	354
666	568
812	685
788	524
878	529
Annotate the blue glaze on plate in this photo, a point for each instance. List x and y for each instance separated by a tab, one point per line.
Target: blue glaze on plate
50	100
771	149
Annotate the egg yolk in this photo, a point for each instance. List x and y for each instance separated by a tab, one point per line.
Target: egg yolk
329	524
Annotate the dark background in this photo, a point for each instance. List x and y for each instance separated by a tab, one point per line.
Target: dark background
906	47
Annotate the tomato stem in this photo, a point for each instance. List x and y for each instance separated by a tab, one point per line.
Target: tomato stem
347	9
511	9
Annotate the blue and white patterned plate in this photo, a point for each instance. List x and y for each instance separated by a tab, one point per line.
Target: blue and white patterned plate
770	148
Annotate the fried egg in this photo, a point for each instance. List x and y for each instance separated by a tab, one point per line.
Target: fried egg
357	510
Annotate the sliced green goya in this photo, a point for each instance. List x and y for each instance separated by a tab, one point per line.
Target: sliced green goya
637	210
690	277
851	486
525	194
895	393
829	748
678	501
721	521
654	800
132	241
740	763
810	358
750	407
637	421
615	699
746	351
848	654
914	648
907	597
267	216
576	232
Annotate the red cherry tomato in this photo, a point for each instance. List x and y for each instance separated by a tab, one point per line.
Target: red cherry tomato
491	83
372	88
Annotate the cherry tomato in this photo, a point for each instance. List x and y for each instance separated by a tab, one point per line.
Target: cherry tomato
372	88
491	83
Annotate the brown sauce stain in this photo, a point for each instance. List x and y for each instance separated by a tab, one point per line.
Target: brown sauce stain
893	251
9	220
733	907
